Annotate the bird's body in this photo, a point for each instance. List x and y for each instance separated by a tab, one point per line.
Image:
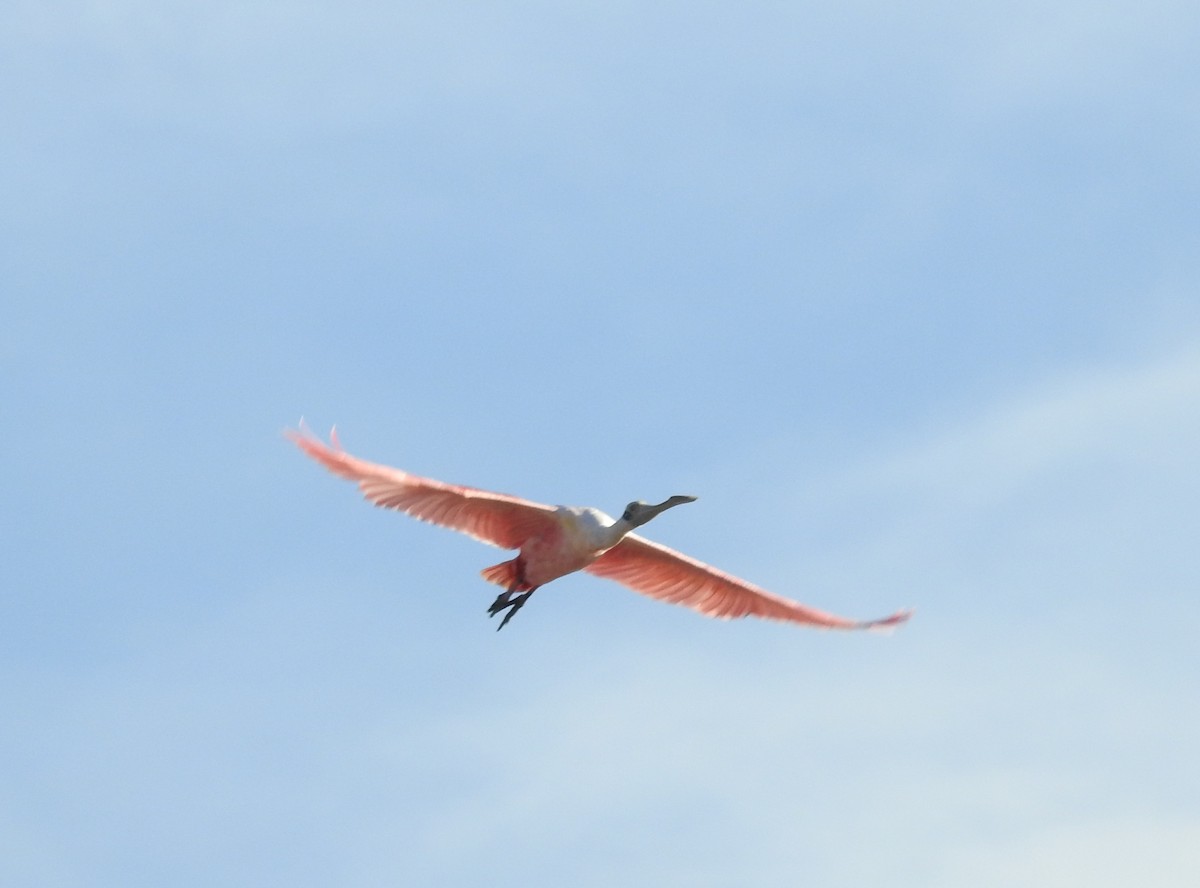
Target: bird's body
578	537
557	540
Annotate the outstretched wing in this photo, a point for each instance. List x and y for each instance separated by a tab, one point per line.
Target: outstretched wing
667	575
493	518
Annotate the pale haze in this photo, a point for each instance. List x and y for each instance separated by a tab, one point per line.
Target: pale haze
908	297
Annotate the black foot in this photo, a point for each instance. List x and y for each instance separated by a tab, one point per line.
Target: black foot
513	606
502	601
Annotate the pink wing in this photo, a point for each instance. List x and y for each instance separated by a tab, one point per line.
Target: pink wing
494	518
668	575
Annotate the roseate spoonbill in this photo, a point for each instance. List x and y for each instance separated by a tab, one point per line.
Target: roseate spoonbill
558	540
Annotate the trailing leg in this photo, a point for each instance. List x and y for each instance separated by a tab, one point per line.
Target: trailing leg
503	600
513	606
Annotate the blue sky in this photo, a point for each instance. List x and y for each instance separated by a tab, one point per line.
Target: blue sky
908	297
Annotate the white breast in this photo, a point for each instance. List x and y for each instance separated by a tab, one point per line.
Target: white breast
588	529
583	535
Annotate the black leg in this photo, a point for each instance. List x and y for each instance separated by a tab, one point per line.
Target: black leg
513	606
502	601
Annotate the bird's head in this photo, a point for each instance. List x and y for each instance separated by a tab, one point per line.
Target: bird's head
638	513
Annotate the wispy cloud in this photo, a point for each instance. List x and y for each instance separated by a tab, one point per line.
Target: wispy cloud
1104	852
1085	479
1139	416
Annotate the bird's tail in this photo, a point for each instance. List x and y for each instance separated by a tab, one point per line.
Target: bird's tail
507	574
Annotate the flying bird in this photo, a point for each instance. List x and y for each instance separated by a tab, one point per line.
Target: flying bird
557	540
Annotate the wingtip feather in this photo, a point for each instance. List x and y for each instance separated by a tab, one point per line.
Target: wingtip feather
303	434
888	625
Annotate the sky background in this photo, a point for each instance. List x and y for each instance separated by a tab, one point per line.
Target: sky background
908	296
